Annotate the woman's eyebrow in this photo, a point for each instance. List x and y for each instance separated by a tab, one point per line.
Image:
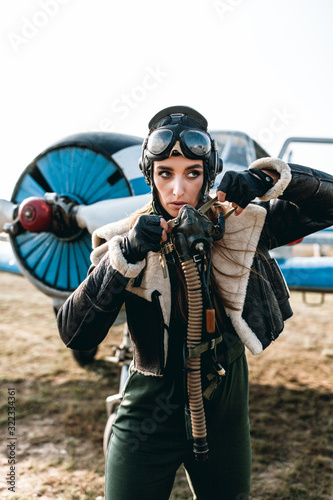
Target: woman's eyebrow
163	167
196	165
190	167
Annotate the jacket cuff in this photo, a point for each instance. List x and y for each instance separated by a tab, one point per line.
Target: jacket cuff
118	261
279	166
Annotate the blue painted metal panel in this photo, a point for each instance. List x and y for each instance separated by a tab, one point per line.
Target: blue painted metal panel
28	242
47	256
51	172
75	263
139	186
323	237
83	254
50	277
95	170
308	272
62	278
107	192
7	259
29	187
80	158
36	251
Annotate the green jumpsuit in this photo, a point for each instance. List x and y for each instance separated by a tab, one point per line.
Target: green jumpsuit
149	439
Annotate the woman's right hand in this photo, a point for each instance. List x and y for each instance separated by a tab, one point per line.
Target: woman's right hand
240	188
146	235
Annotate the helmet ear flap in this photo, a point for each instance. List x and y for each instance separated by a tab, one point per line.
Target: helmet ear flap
220	165
218	162
145	164
146	168
142	164
213	167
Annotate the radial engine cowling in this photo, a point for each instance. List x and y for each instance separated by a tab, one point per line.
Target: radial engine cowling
82	170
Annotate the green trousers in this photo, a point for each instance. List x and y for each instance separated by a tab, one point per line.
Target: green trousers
149	443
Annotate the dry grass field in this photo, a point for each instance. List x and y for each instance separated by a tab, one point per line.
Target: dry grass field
60	406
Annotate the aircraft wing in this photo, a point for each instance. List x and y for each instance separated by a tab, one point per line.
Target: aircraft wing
7	258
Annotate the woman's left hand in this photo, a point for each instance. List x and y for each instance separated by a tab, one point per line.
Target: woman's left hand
166	229
240	188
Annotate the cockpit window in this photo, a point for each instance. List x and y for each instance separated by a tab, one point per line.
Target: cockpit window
221	139
239	151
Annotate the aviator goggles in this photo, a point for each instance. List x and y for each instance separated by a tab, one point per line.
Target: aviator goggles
194	143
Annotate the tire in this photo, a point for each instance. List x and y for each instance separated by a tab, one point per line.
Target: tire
84	357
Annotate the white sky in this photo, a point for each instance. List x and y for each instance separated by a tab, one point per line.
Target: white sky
260	66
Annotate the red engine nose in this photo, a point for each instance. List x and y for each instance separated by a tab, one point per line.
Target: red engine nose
35	214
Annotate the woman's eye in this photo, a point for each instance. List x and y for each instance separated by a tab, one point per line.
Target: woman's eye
194	173
165	174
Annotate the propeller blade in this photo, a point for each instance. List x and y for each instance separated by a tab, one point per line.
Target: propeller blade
7	209
103	212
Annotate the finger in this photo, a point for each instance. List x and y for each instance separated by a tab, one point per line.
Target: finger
164	236
164	224
220	195
238	210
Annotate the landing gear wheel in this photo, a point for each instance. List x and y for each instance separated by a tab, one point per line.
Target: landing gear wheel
84	357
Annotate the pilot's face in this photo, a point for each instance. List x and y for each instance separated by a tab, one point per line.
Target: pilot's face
178	181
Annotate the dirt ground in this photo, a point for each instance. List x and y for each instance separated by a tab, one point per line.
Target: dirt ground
60	406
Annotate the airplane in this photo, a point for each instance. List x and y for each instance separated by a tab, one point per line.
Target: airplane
87	180
78	184
90	179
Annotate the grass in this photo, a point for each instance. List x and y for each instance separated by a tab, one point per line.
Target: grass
60	407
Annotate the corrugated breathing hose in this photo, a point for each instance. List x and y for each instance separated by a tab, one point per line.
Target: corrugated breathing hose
192	235
194	332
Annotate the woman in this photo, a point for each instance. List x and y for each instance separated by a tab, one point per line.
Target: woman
135	263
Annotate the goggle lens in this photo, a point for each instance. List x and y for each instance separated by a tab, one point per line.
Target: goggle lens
197	142
159	140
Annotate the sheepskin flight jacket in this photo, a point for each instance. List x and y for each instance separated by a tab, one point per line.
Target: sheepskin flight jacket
300	203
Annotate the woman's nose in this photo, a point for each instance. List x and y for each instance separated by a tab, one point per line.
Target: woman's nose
178	188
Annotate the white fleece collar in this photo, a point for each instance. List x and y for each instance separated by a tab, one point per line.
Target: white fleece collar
241	239
279	166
